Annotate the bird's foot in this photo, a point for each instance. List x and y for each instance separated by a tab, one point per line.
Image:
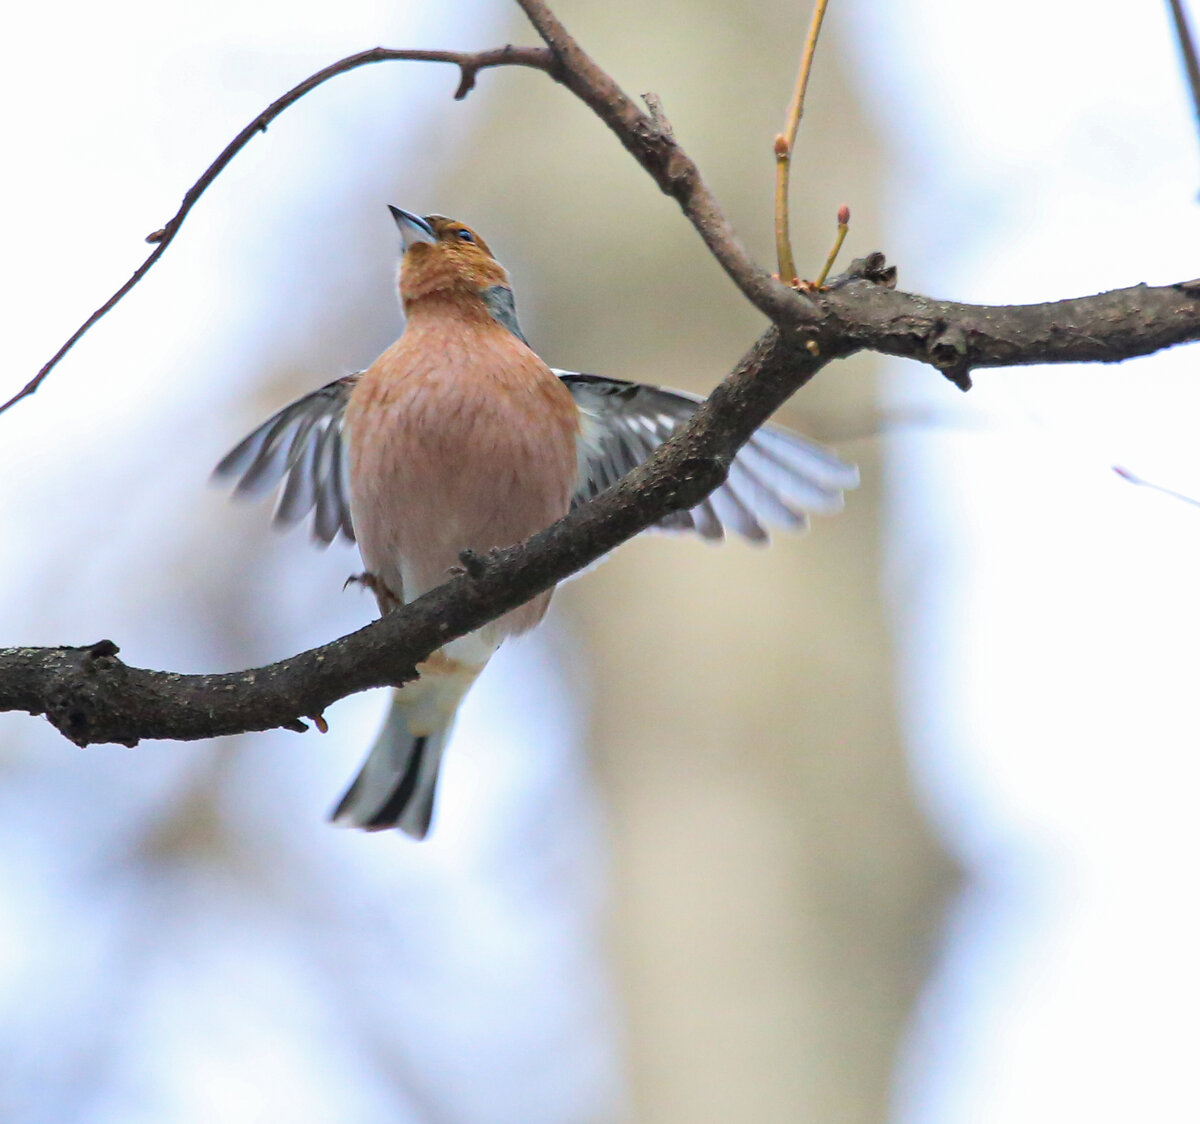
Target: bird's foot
386	598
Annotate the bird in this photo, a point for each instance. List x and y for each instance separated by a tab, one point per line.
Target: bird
459	437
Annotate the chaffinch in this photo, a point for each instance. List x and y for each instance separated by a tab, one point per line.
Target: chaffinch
458	437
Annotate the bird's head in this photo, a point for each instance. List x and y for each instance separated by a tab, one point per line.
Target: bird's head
442	255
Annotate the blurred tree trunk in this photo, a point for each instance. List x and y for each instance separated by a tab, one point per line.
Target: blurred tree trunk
776	892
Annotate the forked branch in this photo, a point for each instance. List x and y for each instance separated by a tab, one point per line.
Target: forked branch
91	696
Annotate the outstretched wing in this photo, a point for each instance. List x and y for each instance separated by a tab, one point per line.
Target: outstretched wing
776	478
302	446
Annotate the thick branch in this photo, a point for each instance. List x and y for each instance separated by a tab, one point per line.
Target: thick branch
957	338
91	696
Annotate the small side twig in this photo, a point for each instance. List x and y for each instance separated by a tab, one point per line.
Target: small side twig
842	228
1132	478
785	142
657	115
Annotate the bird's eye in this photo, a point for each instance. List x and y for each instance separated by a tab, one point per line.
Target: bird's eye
465	236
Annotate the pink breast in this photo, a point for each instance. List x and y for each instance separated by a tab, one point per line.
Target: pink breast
458	440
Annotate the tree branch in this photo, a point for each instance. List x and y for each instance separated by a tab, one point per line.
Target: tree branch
958	338
470	63
655	148
92	696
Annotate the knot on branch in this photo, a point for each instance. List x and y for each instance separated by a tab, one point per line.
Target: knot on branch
474	564
672	170
78	701
652	140
947	349
873	268
658	118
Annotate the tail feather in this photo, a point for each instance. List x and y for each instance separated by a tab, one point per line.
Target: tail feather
390	813
398	781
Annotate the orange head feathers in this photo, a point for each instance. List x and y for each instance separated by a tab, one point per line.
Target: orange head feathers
443	256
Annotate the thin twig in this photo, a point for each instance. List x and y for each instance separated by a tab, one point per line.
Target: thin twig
784	144
468	62
1187	48
1132	478
843	228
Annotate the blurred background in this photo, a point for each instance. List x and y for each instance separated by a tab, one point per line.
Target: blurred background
892	821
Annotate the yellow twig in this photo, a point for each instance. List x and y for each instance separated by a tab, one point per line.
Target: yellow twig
783	149
843	226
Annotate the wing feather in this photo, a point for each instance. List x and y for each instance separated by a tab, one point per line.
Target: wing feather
776	479
302	448
327	519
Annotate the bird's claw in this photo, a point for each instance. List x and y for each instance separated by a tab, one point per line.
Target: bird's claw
386	598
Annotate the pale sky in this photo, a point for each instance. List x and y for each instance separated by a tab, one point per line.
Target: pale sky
1047	612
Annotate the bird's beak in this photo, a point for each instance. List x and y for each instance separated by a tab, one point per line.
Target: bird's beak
413	228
